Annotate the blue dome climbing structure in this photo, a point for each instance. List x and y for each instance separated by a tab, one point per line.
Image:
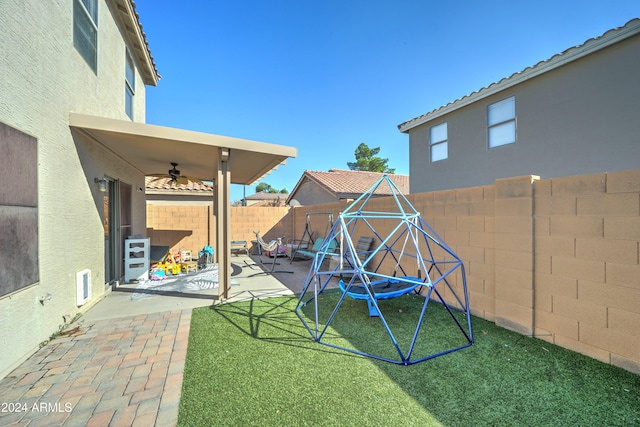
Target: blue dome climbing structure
406	275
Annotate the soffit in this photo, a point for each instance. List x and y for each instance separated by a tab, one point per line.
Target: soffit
136	40
151	149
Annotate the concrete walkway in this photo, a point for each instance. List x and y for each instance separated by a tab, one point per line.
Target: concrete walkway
122	364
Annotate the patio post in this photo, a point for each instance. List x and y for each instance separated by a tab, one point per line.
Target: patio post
222	196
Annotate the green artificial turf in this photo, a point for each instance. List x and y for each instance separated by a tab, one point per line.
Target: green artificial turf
253	363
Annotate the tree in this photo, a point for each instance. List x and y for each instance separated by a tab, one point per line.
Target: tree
367	160
263	187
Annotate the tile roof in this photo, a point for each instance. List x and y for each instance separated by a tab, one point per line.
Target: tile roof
267	196
164	185
594	44
138	42
349	184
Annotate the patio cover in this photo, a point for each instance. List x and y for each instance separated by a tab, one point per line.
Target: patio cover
208	157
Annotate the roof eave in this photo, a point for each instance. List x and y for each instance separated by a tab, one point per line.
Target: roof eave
137	40
609	38
149	148
178	192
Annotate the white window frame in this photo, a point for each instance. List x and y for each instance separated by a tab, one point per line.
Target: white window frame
129	83
439	142
501	123
85	31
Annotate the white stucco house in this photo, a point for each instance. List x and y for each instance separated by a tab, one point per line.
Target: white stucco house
75	151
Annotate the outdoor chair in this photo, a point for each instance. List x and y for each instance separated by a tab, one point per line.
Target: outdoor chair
363	248
238	246
310	253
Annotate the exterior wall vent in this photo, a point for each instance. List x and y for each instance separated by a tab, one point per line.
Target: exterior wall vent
83	287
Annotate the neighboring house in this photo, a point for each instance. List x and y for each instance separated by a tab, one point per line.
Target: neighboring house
575	113
163	192
266	199
316	187
75	153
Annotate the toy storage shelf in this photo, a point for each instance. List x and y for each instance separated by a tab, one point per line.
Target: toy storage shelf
136	259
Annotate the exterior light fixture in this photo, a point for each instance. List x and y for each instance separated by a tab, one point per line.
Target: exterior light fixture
103	184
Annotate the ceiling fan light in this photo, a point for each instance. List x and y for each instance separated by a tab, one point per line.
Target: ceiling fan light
174	171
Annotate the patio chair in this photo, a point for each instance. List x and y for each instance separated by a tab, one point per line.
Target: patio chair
363	249
238	246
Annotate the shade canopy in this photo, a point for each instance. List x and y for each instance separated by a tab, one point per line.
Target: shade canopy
151	149
224	160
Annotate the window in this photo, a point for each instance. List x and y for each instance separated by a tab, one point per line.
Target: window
129	84
18	211
501	120
439	142
85	31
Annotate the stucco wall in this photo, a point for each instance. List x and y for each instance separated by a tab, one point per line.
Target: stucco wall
579	118
310	193
43	78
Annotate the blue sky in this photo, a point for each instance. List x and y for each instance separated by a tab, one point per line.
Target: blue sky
325	75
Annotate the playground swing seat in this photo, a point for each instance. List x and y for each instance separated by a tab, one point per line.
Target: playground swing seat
384	289
310	253
307	243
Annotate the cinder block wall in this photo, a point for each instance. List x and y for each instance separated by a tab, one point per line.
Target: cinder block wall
193	227
513	263
587	275
270	221
181	227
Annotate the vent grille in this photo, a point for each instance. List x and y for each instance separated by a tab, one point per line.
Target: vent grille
83	287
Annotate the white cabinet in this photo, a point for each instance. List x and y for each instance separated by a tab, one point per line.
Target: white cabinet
136	259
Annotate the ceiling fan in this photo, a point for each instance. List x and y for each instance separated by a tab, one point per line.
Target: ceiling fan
174	177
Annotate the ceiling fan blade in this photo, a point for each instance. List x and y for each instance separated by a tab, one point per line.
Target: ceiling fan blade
157	178
174	178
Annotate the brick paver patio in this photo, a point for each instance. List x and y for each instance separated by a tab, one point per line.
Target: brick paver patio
121	368
118	372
